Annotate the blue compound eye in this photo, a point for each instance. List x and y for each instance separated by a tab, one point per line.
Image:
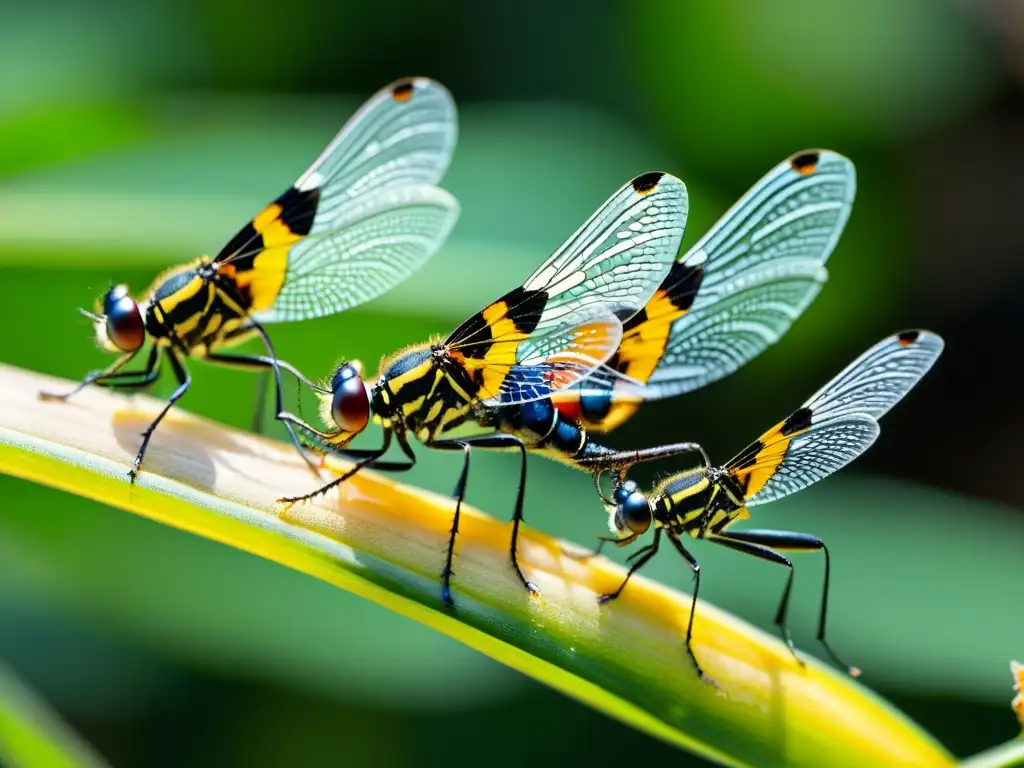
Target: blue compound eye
623	491
635	513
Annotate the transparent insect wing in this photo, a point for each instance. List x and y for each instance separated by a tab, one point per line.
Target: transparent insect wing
784	465
392	235
838	423
564	321
404	135
741	287
362	218
879	378
620	255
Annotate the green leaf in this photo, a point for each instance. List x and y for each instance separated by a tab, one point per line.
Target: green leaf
33	736
383	541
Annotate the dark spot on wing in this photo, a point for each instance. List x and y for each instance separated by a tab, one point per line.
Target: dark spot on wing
646	183
247	241
908	338
804	163
298	209
521	307
682	284
402	91
798	421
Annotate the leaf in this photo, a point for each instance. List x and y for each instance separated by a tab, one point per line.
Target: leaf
33	736
383	541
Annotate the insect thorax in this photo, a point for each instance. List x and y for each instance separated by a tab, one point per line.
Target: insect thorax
418	393
195	306
698	502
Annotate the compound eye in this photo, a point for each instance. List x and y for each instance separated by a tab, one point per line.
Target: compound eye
125	327
350	405
635	513
623	490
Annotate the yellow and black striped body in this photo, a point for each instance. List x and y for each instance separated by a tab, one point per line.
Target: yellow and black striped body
204	304
432	389
420	391
698	502
193	310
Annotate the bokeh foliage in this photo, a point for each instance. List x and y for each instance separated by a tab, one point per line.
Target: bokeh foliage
135	136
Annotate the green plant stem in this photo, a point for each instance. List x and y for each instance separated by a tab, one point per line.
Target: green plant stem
33	736
1004	756
385	542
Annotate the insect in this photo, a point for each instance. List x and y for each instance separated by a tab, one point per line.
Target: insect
730	296
723	302
361	219
537	339
831	429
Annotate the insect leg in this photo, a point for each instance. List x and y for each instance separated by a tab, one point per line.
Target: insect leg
695	567
262	363
113	373
459	494
369	460
642	555
292	419
503	441
181	374
134	379
265	365
358	454
258	406
757	549
601	541
794	542
275	366
355	454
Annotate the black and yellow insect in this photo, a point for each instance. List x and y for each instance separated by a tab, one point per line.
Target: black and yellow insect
538	339
363	217
728	297
831	429
723	302
716	307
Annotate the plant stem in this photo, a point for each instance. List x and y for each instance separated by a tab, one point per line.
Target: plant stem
1004	756
385	542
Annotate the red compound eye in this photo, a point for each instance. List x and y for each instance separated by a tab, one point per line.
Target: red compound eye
350	405
125	327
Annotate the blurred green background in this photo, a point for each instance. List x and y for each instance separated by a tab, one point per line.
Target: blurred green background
137	135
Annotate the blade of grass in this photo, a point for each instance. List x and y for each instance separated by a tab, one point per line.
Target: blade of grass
385	542
1006	755
32	735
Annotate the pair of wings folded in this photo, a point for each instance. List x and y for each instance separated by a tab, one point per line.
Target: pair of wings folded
618	309
364	216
